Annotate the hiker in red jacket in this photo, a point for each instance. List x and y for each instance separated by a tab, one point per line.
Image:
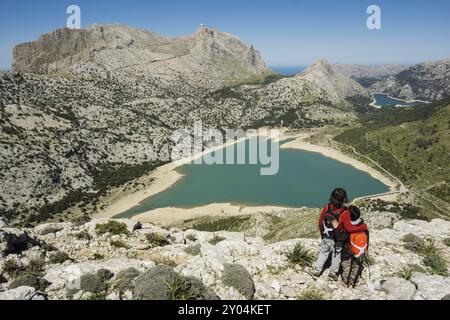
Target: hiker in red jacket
335	224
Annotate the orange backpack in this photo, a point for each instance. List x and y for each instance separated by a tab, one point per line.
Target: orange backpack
359	244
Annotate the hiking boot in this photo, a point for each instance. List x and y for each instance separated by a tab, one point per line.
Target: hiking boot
316	273
333	277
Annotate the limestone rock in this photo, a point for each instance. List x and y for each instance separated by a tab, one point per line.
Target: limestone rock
430	287
21	293
398	289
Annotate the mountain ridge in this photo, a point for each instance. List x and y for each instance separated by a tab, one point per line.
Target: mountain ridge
428	81
207	53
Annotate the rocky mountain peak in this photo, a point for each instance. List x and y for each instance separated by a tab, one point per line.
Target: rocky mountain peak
338	87
207	54
320	66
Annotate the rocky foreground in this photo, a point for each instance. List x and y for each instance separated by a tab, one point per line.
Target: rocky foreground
124	260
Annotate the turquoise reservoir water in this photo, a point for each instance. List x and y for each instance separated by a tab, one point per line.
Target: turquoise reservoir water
288	71
304	179
384	100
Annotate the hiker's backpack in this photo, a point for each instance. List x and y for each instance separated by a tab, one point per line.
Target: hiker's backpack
327	229
359	244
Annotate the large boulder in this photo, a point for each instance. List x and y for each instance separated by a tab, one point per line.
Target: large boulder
21	293
430	287
398	289
163	283
237	277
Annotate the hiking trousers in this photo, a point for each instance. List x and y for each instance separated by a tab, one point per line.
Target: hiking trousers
352	269
327	247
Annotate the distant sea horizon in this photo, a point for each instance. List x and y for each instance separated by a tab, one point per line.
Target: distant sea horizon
288	70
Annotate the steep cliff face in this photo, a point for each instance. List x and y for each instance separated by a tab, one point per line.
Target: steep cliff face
427	81
206	54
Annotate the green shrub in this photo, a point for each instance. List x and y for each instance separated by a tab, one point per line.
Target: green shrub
83	235
119	244
193	250
98	256
97	296
105	274
216	239
113	227
447	242
92	282
413	243
58	257
12	267
311	294
126	280
300	256
36	266
157	240
236	276
165	261
27	280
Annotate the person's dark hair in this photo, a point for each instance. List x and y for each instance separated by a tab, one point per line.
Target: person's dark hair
355	213
338	197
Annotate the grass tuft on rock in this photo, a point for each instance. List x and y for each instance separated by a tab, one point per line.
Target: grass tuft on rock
119	244
300	256
216	240
433	258
406	273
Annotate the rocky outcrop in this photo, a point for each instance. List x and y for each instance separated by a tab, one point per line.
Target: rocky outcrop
239	267
427	81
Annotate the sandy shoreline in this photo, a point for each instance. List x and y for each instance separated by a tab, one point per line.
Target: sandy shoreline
174	216
166	176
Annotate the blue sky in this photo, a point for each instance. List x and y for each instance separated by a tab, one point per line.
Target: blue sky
287	32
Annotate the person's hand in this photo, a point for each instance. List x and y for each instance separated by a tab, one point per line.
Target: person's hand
335	223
